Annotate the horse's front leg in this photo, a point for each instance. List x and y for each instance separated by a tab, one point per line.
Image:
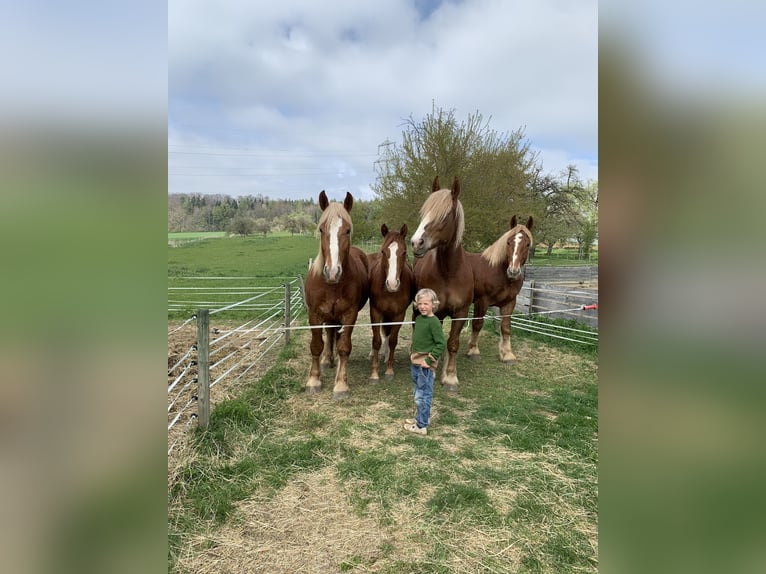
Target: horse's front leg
327	361
506	355
392	338
479	310
375	317
341	390
314	383
449	375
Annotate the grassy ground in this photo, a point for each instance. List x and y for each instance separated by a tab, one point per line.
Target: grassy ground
506	480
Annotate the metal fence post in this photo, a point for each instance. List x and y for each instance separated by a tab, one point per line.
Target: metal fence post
203	367
287	314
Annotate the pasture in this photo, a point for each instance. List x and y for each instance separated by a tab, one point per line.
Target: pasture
506	480
261	262
283	481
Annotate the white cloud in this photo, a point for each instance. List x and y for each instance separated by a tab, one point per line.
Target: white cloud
309	92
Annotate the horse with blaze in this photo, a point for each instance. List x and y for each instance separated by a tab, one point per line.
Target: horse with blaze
442	264
337	287
498	276
392	288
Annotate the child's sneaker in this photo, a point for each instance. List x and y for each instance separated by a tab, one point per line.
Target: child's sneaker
413	428
410	421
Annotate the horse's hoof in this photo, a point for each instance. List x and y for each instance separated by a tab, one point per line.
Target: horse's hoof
374	381
340	395
450	388
313	390
389	377
474	357
509	361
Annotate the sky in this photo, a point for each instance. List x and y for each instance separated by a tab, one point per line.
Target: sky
285	99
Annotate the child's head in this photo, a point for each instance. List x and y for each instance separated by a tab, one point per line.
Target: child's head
426	293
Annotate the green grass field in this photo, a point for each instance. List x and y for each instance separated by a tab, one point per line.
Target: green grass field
261	262
243	256
506	480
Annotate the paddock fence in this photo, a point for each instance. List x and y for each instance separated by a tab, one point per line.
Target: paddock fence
211	351
211	346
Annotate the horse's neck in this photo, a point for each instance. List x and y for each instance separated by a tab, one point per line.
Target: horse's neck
449	259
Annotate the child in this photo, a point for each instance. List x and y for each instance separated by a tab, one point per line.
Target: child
428	344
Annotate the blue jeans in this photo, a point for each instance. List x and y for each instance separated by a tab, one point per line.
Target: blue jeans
423	389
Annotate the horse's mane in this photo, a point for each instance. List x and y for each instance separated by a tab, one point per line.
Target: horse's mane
438	206
335	209
495	253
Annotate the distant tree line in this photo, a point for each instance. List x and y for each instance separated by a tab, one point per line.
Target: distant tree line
260	215
500	177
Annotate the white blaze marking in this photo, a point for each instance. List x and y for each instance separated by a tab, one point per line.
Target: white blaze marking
391	278
515	260
334	249
420	230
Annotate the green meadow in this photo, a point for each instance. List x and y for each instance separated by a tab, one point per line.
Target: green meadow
506	480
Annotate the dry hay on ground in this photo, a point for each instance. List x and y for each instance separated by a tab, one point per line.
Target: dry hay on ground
235	345
308	527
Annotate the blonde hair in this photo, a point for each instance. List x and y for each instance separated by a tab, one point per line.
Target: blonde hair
495	254
439	206
335	209
425	292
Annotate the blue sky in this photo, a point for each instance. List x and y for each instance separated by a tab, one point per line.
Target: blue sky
288	98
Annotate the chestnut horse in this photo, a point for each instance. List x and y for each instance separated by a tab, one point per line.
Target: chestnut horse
442	264
498	276
392	288
337	287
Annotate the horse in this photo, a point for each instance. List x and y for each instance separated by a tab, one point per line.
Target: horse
337	287
442	264
498	276
392	289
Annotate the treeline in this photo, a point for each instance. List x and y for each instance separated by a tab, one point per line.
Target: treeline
253	215
500	177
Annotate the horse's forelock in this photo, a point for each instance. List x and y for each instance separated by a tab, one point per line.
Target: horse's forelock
495	253
437	208
332	210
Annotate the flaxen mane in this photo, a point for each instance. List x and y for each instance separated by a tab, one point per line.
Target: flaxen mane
335	209
438	206
495	253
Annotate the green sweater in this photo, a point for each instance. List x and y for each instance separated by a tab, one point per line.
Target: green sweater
428	338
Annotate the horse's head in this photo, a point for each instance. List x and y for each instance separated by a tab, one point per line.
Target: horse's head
393	256
441	219
334	237
518	242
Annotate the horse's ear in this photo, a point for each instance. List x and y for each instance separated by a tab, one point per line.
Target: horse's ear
530	223
403	231
348	203
513	222
323	201
384	230
435	185
455	188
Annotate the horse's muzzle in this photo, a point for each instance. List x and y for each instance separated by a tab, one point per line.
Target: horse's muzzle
395	287
332	275
513	274
419	247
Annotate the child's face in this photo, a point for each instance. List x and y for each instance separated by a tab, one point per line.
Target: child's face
426	306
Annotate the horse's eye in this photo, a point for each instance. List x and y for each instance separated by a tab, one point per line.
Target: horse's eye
348	232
